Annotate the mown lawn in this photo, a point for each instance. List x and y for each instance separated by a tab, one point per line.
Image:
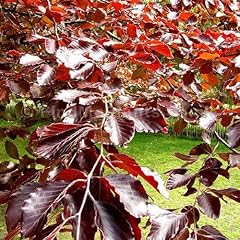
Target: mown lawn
156	152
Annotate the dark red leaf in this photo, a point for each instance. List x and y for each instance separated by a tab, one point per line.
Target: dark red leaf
232	193
233	135
19	87
14	213
188	78
179	126
190	190
72	203
183	235
208	120
160	47
129	164
29	59
71	174
121	130
192	214
58	139
209	205
186	158
83	4
39	204
11	150
98	15
178	180
200	149
131	193
62	73
132	30
147	60
146	119
84	72
208	232
111	222
165	225
207	176
4	196
233	159
45	74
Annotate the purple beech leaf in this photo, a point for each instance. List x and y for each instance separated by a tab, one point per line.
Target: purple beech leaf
121	130
45	74
130	165
231	193
73	114
45	232
130	192
179	126
192	214
69	95
209	205
233	135
11	150
110	66
39	204
58	138
165	225
209	232
98	53
14	213
234	160
50	45
155	180
200	149
178	180
4	196
71	58
84	72
146	119
72	203
208	121
147	60
55	129
29	60
207	176
111	222
53	234
20	87
186	158
183	235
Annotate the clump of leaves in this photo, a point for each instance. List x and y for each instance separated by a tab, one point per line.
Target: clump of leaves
78	59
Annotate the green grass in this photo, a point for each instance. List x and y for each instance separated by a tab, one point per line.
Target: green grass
156	152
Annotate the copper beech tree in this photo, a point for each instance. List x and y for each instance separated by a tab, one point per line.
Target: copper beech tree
104	70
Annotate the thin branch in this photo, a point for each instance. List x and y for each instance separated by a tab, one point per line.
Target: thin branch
89	177
79	21
110	34
225	143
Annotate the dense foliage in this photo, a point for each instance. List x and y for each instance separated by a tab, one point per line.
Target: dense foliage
104	70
